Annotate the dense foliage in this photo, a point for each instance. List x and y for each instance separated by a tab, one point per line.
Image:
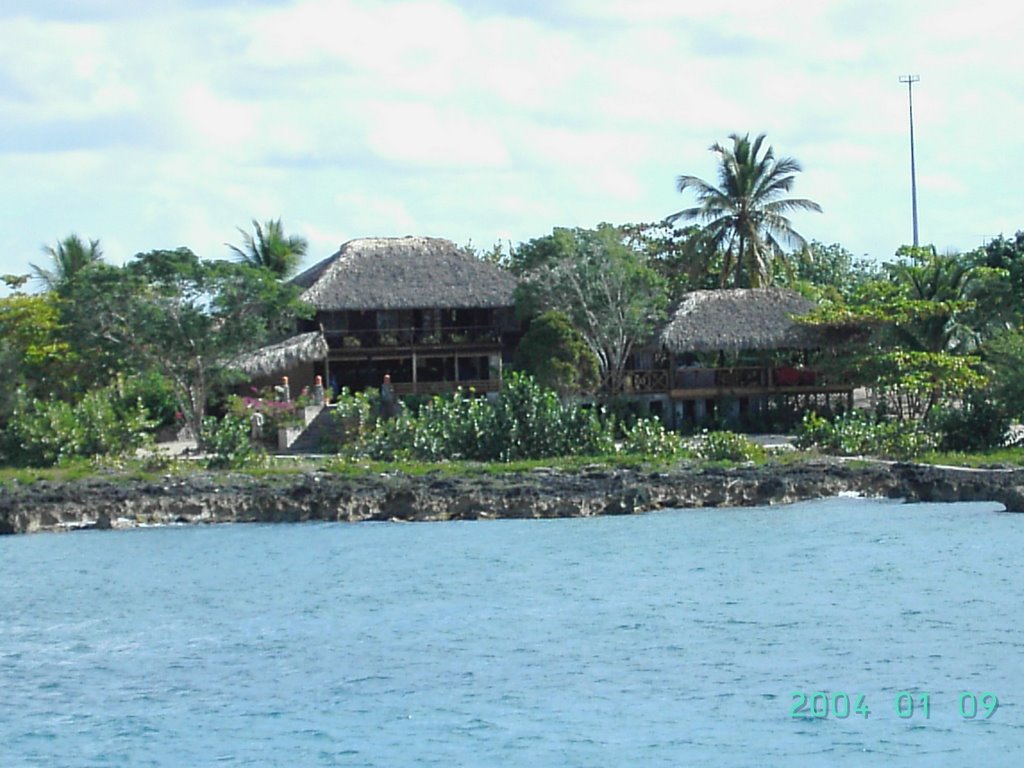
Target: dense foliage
554	353
41	433
526	421
612	296
856	433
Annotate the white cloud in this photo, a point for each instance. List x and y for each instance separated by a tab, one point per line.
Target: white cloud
479	120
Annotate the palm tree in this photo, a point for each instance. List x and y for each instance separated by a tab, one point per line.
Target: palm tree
271	249
745	215
951	283
70	258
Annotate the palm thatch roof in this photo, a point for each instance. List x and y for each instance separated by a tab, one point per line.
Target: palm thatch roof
739	319
404	273
283	356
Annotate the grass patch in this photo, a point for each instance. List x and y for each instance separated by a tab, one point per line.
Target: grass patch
996	458
364	467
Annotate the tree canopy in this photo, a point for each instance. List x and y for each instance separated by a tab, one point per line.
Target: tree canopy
612	296
187	318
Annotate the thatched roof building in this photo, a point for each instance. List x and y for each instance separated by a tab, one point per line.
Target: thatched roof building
404	273
283	356
739	319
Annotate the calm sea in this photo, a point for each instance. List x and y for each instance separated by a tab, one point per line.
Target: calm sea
669	639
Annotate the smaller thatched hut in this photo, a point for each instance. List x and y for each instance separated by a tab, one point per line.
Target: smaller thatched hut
738	320
290	357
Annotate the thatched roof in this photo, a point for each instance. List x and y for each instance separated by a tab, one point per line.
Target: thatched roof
739	319
404	273
283	356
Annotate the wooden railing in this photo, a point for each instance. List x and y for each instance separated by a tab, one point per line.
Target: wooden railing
643	382
711	380
412	337
403	388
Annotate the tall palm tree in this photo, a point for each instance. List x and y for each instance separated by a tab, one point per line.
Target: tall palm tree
70	258
271	249
745	215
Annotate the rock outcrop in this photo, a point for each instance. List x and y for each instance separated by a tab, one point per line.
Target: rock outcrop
222	498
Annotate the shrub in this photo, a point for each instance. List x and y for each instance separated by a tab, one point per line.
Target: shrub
42	433
526	422
228	444
649	438
978	425
858	434
727	446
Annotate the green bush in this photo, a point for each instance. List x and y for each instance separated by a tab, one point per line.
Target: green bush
42	433
525	422
228	445
977	425
727	446
649	438
859	434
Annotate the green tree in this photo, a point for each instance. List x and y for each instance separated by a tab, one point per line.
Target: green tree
34	358
951	285
187	319
555	354
831	269
1003	301
681	255
613	298
745	216
894	339
70	258
271	249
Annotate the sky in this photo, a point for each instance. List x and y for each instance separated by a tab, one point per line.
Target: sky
174	122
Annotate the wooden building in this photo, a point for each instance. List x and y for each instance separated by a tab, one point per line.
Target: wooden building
420	309
726	355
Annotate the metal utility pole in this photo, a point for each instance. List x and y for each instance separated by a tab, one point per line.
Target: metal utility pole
910	80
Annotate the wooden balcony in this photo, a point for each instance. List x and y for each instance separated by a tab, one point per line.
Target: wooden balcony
712	383
404	388
377	341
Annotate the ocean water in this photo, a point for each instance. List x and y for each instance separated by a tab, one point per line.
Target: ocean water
669	639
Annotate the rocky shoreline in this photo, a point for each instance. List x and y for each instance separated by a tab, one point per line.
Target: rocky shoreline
223	498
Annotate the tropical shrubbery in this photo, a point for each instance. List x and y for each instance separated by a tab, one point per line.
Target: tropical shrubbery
42	433
856	433
227	443
524	422
979	424
727	446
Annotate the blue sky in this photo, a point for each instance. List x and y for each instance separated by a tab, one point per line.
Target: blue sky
172	123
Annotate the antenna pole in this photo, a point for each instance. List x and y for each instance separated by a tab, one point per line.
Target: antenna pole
910	80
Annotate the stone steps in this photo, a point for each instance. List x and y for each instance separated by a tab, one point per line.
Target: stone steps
318	432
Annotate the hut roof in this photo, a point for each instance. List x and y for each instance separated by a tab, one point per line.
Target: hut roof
283	356
404	273
739	319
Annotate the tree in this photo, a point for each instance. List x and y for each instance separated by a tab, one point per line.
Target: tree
745	215
832	269
71	257
35	361
679	254
952	283
1004	300
186	318
612	297
897	339
555	354
271	249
